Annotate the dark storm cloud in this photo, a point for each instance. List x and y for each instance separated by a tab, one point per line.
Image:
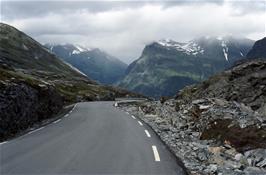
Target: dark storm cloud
22	9
129	25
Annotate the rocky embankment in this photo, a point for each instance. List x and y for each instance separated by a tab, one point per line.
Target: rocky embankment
23	105
217	127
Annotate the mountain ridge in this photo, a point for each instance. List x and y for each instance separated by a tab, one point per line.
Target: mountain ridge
93	62
188	63
216	126
258	50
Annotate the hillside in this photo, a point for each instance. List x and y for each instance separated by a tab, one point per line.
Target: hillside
95	63
35	84
166	66
216	126
258	50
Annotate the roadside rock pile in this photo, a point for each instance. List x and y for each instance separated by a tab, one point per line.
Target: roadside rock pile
210	135
217	126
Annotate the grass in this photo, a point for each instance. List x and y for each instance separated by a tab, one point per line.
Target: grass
242	139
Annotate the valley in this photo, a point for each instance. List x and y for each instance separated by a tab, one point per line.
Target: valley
94	63
133	87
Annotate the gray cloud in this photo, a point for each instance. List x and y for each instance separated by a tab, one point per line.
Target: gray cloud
123	28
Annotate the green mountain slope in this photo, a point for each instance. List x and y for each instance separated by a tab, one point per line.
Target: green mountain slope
35	84
167	66
95	63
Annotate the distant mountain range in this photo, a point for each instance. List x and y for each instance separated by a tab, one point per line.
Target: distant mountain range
166	66
94	63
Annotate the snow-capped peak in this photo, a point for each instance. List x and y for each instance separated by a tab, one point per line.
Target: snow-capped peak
190	48
79	49
168	42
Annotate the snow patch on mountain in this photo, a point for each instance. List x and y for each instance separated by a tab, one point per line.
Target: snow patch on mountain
225	49
190	48
225	54
75	69
79	49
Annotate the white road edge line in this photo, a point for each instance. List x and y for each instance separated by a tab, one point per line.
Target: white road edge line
35	130
155	153
66	115
72	109
147	133
57	121
140	123
133	116
3	143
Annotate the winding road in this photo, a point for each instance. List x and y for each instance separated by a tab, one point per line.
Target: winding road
93	138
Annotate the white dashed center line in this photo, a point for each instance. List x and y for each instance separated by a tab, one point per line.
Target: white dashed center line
147	133
156	154
57	121
133	116
127	113
140	123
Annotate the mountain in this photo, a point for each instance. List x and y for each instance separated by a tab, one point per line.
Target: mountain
258	50
166	65
95	63
217	126
35	84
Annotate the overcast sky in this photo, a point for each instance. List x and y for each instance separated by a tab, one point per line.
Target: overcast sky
122	28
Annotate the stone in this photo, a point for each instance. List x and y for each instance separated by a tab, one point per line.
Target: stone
262	163
182	131
213	168
203	156
238	156
198	101
250	162
215	150
254	171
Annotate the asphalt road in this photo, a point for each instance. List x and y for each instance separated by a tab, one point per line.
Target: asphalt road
94	138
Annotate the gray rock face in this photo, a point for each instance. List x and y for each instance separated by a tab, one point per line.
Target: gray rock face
22	105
